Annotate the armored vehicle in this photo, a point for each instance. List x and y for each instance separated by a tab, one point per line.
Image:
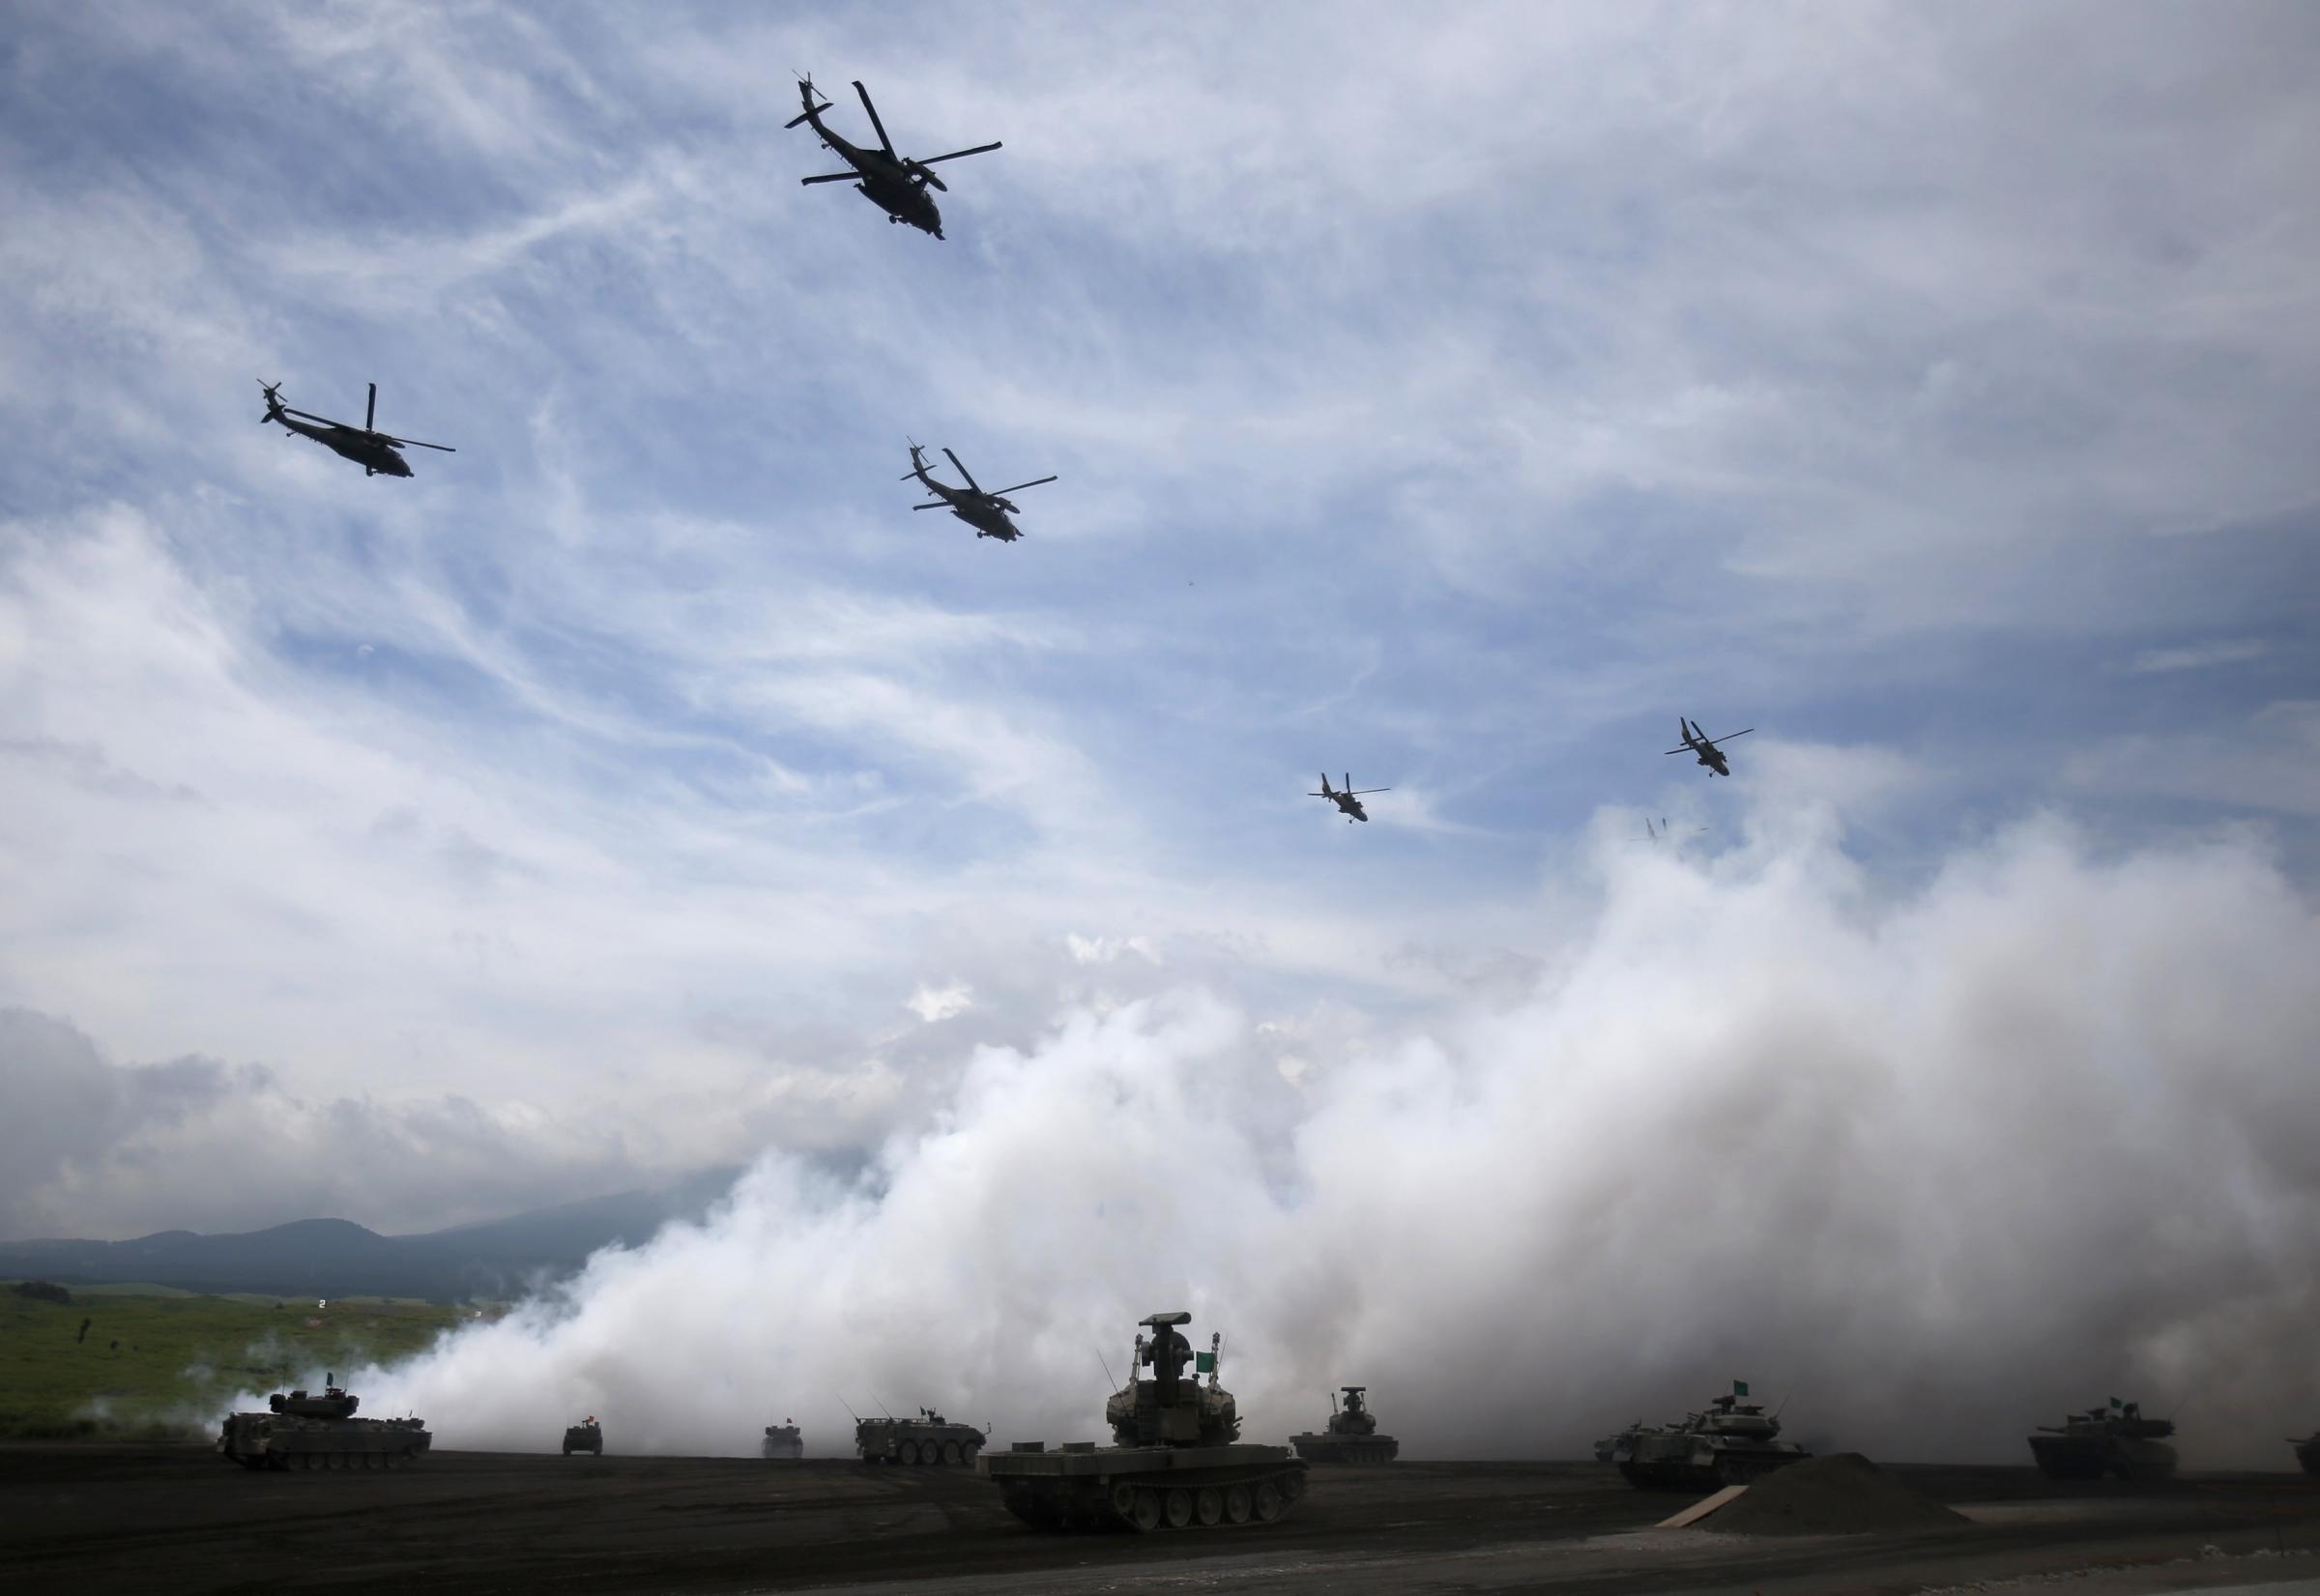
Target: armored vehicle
930	1438
2105	1440
2307	1452
308	1431
1352	1437
1732	1443
588	1436
783	1441
1176	1461
1609	1447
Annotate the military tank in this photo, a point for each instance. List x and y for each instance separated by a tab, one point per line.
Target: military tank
1352	1437
588	1436
1730	1443
783	1441
930	1438
2307	1452
2105	1440
1176	1461
308	1431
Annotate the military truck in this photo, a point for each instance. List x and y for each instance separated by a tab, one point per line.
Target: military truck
1352	1437
783	1441
305	1431
1176	1461
2105	1440
1730	1443
928	1439
2307	1452
588	1436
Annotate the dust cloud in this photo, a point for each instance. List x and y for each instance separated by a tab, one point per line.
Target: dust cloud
1933	1161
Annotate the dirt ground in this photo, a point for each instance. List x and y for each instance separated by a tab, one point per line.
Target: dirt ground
98	1518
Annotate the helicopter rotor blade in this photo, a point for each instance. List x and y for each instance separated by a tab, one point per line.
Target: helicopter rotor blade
1034	483
832	177
963	470
1727	737
939	503
370	410
414	442
954	154
874	121
1359	792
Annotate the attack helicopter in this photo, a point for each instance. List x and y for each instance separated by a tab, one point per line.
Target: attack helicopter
895	184
986	512
1347	797
1694	742
375	452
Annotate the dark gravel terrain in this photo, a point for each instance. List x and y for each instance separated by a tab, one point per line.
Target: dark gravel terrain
98	1518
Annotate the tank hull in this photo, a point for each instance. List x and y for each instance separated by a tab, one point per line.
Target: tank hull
1319	1447
781	1448
277	1441
1147	1489
897	1441
584	1437
1686	1463
2092	1456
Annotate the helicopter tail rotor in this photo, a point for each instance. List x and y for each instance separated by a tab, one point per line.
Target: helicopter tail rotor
273	400
807	96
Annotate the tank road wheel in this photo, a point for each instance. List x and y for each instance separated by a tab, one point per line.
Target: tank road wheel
906	1453
930	1453
1124	1500
1239	1505
1292	1485
1147	1513
1208	1505
1178	1508
1269	1505
950	1453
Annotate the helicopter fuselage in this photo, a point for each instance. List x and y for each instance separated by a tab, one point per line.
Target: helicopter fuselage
366	449
981	512
887	182
1713	758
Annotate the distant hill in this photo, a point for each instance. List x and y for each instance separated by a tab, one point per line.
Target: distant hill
498	1258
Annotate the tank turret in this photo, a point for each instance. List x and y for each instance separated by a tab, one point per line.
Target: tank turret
782	1442
1178	1459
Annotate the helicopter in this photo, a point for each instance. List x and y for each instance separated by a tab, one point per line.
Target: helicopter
1347	797
986	512
374	450
895	184
1663	831
1705	746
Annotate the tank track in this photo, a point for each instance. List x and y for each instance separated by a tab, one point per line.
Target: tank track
1185	1498
313	1462
1727	1470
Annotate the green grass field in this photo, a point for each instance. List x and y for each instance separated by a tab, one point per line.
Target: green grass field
156	1363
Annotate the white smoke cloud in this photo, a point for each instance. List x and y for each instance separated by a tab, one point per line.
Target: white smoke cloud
1941	1162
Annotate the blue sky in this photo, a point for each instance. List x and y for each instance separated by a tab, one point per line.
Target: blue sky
1451	400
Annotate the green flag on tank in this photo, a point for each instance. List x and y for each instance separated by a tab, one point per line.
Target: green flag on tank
2116	1403
1739	1388
1203	1363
